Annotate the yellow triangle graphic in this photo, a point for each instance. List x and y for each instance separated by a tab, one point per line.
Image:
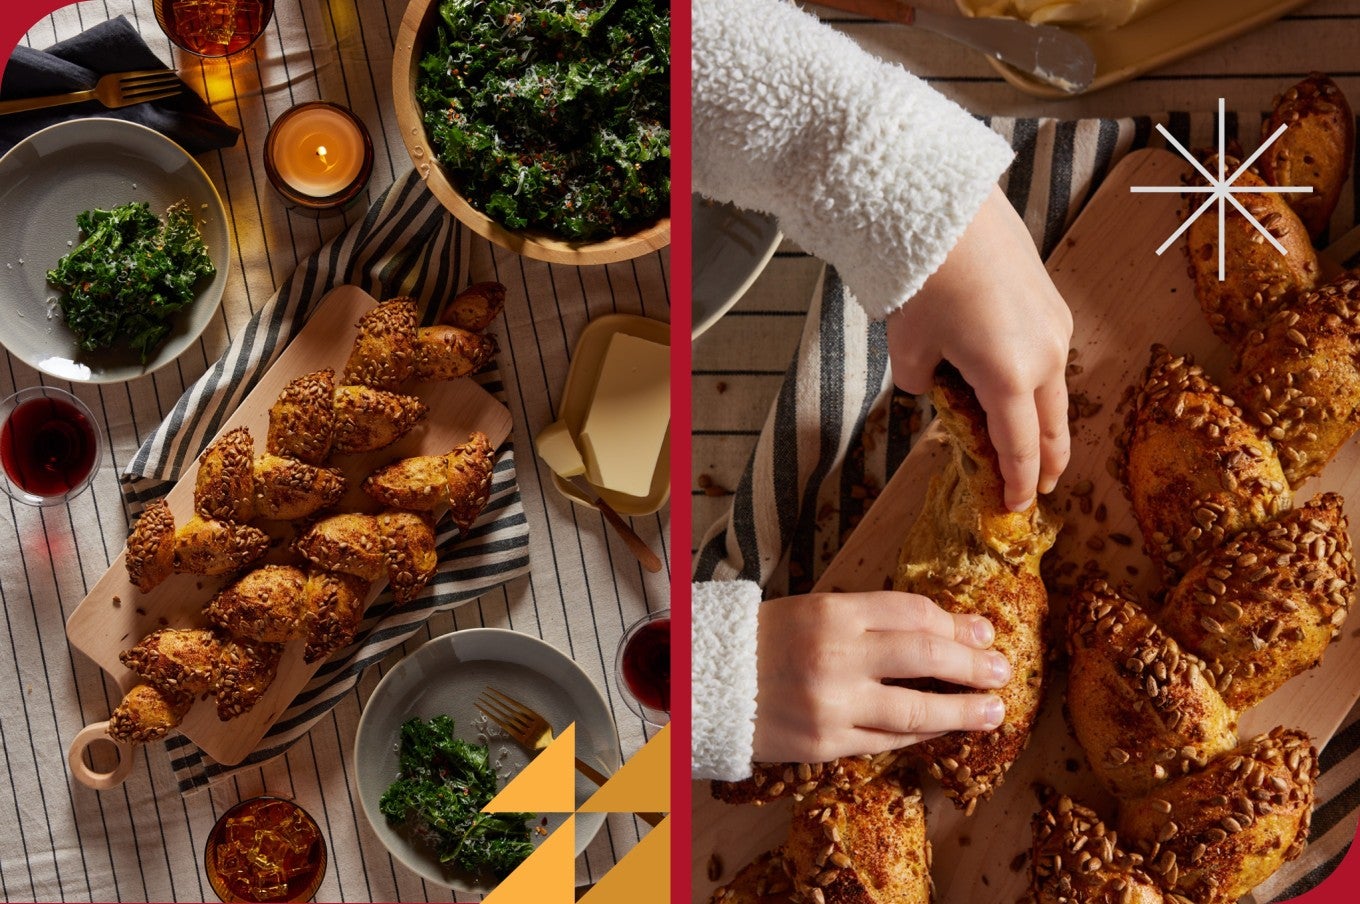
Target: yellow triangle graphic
546	785
548	876
642	785
644	873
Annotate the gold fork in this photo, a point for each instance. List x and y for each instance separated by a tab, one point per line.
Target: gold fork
119	89
533	731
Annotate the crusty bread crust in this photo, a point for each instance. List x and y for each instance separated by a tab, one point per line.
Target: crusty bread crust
1195	472
1315	150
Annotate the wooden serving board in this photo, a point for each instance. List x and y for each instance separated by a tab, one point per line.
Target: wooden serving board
1123	298
115	614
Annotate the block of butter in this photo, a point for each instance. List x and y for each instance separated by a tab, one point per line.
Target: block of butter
629	414
558	450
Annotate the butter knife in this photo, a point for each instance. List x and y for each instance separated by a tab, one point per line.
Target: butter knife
1046	52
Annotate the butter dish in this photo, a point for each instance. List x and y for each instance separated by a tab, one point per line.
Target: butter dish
1168	32
583	386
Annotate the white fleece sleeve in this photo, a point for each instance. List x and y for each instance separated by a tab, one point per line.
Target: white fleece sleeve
863	164
724	678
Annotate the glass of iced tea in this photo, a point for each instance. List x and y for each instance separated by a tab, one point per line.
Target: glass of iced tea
265	849
642	667
48	445
214	28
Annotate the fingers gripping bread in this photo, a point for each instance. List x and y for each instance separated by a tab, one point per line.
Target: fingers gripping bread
972	555
858	833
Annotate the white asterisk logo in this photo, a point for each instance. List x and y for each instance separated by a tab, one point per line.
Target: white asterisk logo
1222	189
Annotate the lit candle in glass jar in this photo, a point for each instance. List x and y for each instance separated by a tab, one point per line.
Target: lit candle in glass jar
318	156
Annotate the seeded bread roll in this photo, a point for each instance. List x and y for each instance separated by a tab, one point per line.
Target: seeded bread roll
1142	709
178	661
408	549
762	881
445	352
972	555
1217	833
1315	150
347	543
461	480
861	847
336	603
370	419
771	781
287	489
1194	471
1298	378
1257	279
418	484
150	555
245	670
302	419
146	714
475	307
1075	859
209	547
264	605
224	487
1265	606
384	351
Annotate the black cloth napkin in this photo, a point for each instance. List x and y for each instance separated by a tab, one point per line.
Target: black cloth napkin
77	63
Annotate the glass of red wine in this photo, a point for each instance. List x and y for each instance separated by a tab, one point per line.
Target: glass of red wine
642	667
48	445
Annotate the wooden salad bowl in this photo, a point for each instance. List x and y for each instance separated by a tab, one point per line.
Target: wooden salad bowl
415	27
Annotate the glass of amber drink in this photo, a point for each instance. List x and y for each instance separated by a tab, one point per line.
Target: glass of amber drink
265	849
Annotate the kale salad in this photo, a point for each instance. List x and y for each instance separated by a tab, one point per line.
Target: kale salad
444	783
553	114
130	274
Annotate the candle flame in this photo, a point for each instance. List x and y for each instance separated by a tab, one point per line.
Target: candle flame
321	152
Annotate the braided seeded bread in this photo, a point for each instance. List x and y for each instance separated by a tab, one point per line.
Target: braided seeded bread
1258	588
250	619
858	832
1154	702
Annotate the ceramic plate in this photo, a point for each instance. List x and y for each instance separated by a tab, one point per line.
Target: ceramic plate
444	677
1166	34
49	178
730	248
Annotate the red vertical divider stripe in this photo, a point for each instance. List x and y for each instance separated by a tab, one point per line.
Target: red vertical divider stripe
680	450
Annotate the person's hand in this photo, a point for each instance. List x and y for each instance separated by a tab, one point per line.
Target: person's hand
821	658
992	312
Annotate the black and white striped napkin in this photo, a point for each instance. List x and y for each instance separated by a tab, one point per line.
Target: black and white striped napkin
838	429
406	244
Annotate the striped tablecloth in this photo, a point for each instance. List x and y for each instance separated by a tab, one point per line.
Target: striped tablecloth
144	839
737	381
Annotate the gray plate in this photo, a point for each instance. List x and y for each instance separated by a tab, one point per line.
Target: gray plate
49	178
445	677
730	247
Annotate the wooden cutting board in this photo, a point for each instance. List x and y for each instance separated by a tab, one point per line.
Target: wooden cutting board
1123	299
115	614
